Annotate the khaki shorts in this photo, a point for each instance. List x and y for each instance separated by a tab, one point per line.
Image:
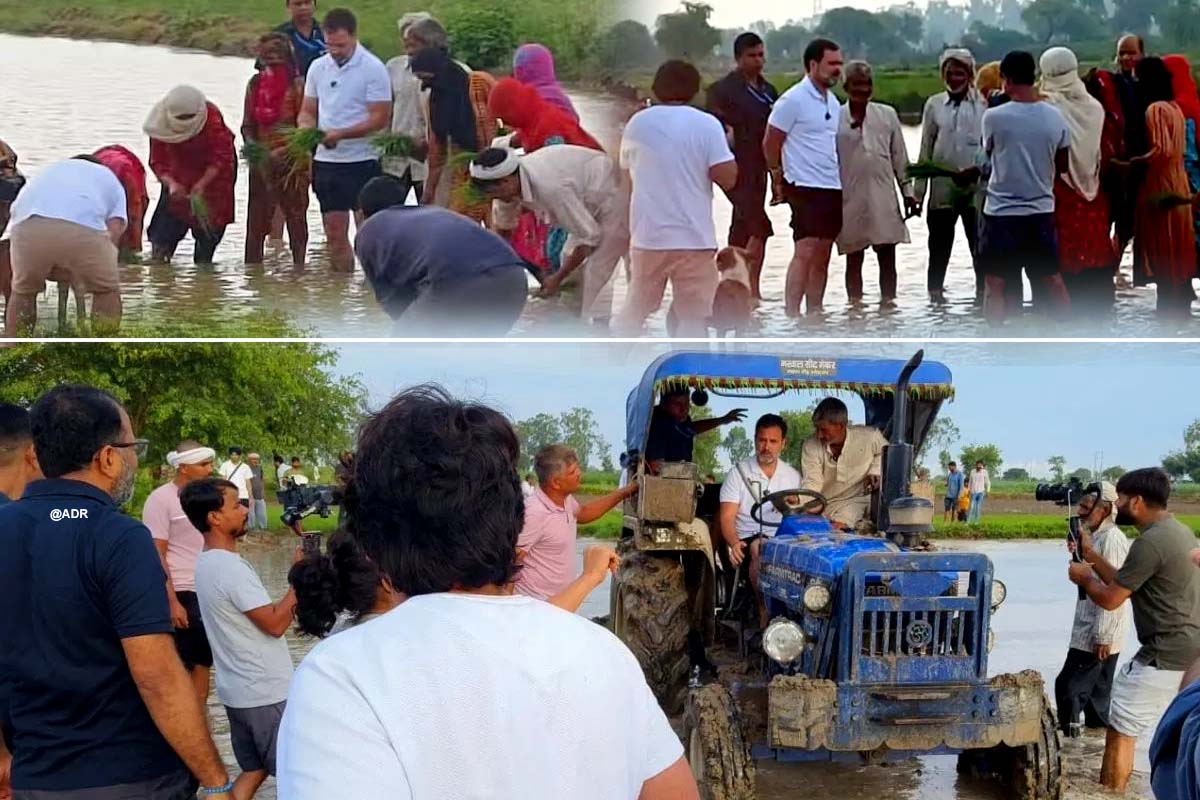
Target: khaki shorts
1140	695
54	249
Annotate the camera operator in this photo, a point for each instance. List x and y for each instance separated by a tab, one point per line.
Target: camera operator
1085	683
1164	587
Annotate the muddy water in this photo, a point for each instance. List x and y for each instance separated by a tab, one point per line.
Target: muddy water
1032	629
61	97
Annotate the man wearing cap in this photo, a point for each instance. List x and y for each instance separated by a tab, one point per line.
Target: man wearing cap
179	545
1084	685
238	473
574	188
952	134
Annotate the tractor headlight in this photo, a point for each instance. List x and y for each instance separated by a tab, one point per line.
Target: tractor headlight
999	594
991	642
783	641
817	598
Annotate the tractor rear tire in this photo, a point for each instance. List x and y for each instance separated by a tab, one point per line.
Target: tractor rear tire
650	614
1037	768
717	749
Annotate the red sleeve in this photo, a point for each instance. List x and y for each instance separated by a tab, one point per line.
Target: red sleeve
249	128
220	139
161	158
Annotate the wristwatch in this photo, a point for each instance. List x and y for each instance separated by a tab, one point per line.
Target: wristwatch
206	791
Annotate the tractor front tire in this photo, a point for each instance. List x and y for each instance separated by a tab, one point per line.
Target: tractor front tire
1031	772
717	749
650	614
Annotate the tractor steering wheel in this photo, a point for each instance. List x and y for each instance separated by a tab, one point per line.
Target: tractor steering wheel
782	502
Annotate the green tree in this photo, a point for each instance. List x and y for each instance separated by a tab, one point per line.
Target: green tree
787	43
943	434
1113	474
704	447
990	43
534	434
1083	474
858	32
945	457
626	45
270	397
989	454
483	36
1016	474
737	445
1058	467
1186	463
581	433
687	34
1060	20
800	428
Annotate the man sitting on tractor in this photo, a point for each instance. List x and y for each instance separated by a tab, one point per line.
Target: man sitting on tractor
843	462
745	486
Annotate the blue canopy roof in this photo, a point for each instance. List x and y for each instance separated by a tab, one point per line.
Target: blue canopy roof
871	379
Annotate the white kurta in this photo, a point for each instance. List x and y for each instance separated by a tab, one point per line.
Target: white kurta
874	160
842	480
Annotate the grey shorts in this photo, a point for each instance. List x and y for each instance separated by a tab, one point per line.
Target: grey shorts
177	786
253	732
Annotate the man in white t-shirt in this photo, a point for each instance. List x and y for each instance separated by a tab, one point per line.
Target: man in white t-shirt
674	154
348	96
801	150
546	703
238	472
245	628
66	223
747	484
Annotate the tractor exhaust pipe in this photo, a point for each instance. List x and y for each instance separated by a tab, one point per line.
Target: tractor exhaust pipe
899	455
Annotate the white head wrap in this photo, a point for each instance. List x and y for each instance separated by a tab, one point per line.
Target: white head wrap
502	170
1062	87
196	456
1108	494
178	117
959	54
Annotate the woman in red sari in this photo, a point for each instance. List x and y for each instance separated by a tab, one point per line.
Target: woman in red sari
132	175
192	153
273	100
536	121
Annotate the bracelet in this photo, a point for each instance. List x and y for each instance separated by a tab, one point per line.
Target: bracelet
206	791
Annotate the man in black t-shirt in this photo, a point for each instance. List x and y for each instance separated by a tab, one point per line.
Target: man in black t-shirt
1163	586
672	429
743	100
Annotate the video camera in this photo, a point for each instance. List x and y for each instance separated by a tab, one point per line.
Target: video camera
301	500
1069	494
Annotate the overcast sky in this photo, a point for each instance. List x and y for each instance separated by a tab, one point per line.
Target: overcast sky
1033	400
736	14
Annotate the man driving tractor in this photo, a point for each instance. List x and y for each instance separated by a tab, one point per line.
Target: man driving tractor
843	462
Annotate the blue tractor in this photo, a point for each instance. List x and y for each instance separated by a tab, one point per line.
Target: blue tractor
877	648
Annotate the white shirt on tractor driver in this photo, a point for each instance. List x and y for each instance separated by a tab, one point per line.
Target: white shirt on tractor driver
735	490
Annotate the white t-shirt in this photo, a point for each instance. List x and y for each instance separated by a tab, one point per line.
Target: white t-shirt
253	669
810	120
343	94
735	490
472	698
73	191
669	151
239	475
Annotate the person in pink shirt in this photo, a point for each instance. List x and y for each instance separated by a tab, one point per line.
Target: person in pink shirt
552	517
179	545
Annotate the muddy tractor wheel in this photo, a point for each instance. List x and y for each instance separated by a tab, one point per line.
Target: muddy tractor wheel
716	745
650	614
1031	772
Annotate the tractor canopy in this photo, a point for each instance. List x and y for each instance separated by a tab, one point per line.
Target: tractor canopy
756	376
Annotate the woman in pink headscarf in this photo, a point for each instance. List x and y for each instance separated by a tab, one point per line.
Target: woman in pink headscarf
534	65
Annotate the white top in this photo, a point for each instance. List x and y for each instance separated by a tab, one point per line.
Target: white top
1093	625
952	134
979	481
343	94
669	151
253	669
473	698
576	188
408	116
735	490
74	191
239	475
810	120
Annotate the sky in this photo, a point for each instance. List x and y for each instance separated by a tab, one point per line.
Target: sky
1033	400
734	14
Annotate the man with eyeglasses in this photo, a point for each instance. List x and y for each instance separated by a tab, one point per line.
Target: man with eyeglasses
90	682
179	545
